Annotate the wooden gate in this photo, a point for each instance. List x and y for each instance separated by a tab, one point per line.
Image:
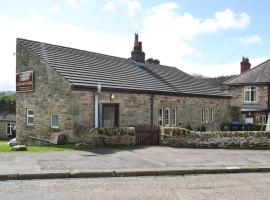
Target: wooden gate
147	134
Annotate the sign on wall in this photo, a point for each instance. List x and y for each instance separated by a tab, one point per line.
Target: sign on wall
24	81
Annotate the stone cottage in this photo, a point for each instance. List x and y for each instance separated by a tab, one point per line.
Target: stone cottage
68	90
250	92
7	124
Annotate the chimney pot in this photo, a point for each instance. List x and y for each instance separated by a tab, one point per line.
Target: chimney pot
137	54
244	65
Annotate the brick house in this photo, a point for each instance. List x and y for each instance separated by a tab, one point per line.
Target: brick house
68	90
7	124
250	92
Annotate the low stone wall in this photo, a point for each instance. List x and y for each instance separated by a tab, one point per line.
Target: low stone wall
108	137
222	139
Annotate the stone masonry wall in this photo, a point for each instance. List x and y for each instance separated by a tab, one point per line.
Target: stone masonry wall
51	95
3	126
189	110
136	109
242	140
237	93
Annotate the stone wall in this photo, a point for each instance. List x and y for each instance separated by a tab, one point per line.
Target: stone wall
51	95
189	110
107	137
241	140
237	93
3	126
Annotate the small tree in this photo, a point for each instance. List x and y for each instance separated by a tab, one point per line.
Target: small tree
152	61
8	104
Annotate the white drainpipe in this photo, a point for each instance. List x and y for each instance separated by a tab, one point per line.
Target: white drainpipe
96	111
97	105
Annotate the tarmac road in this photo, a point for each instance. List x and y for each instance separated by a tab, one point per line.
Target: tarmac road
254	186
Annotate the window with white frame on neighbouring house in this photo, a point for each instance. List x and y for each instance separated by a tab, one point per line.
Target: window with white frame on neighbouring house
205	115
167	116
10	127
263	119
257	119
174	117
160	117
54	121
30	117
250	94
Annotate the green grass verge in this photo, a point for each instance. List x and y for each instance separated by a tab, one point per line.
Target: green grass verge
4	147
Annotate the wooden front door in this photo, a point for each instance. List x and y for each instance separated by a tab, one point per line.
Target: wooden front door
110	115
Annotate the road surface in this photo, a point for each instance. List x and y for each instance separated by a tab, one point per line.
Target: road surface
223	186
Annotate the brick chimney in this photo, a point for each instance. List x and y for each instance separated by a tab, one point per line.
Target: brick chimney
137	54
245	65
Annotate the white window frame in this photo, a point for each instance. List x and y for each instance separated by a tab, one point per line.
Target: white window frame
160	117
211	115
205	115
29	116
54	126
263	119
9	126
202	115
167	117
248	94
174	113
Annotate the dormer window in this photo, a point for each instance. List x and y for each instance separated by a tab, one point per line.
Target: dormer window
250	94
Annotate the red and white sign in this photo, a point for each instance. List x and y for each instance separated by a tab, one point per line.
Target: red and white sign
24	81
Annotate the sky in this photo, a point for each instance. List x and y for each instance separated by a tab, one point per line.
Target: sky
207	37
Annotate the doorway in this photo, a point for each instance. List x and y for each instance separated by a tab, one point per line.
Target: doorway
110	115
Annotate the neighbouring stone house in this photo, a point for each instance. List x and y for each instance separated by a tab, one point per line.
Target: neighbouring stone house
7	124
68	90
250	92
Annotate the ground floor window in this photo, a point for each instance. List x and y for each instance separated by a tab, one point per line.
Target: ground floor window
10	128
160	117
30	117
205	115
167	116
54	121
174	117
263	119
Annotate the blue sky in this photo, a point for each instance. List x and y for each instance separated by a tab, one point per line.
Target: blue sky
199	37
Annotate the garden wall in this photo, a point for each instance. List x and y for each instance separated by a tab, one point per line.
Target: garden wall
108	137
180	137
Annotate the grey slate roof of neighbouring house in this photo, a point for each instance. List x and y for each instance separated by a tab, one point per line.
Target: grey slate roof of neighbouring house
256	75
87	69
6	117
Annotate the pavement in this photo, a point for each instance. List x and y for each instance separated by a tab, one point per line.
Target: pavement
137	161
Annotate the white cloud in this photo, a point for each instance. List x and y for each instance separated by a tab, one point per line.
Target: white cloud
55	9
66	35
248	40
224	20
166	35
167	29
131	6
109	6
72	4
232	68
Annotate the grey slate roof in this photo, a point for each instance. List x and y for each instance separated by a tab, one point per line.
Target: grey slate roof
87	69
7	117
256	75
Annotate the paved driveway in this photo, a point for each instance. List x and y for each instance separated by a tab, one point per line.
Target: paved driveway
130	158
